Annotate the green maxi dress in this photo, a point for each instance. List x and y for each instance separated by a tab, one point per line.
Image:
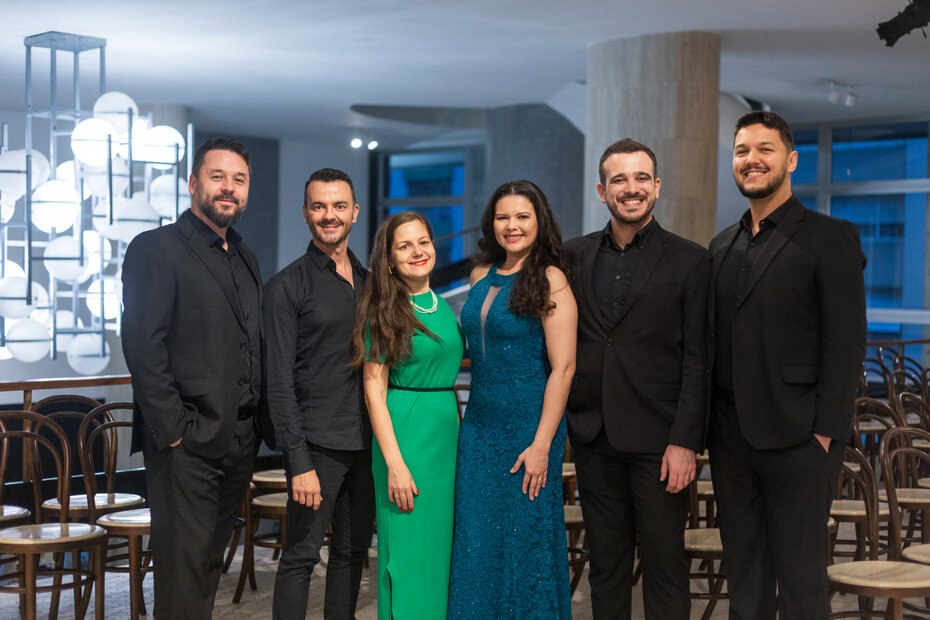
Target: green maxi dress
415	548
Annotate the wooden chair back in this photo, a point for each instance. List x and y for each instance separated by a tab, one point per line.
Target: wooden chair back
865	487
99	427
901	463
38	431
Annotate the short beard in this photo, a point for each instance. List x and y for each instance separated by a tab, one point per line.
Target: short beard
221	220
762	192
618	215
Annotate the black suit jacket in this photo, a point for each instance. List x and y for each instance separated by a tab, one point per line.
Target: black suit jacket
180	321
643	378
799	330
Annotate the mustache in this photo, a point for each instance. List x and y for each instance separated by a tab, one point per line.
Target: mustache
751	168
634	196
225	196
329	223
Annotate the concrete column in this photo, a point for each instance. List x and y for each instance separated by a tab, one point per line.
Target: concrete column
661	90
536	143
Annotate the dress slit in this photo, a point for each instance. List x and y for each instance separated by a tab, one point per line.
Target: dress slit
485	308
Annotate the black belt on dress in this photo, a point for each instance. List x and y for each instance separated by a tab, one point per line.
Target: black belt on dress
391	386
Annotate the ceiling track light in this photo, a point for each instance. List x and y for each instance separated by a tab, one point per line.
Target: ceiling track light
835	96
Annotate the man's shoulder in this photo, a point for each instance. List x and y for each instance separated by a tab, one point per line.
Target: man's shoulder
156	238
684	245
291	275
578	244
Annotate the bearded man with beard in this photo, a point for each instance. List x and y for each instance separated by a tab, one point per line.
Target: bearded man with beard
787	316
192	339
318	407
637	407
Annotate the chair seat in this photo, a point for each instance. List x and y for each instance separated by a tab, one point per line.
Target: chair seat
32	538
854	508
877	575
270	478
103	501
703	540
874	426
923	483
139	518
271	500
568	470
573	518
909	497
853	466
13	513
917	553
702	458
705	489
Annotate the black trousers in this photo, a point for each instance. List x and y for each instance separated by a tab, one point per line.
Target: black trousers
773	507
194	502
349	503
621	495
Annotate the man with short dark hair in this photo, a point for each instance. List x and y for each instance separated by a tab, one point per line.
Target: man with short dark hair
191	335
787	316
318	407
636	411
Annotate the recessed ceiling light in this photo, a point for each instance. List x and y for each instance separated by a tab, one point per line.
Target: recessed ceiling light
356	143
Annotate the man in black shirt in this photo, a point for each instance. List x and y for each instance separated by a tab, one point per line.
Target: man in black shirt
787	316
636	411
191	335
317	405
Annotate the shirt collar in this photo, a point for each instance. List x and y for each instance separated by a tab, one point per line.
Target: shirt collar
640	239
322	261
209	237
773	219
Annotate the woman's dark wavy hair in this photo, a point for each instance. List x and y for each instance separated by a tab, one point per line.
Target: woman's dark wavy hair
384	305
530	294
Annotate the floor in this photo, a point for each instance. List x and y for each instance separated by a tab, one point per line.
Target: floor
257	604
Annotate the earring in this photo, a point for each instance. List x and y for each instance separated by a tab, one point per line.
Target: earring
390	269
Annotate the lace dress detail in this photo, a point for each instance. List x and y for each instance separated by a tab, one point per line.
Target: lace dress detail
508	557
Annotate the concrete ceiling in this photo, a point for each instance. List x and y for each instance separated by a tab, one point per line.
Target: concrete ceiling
293	68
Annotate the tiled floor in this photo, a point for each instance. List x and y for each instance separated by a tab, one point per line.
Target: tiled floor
257	604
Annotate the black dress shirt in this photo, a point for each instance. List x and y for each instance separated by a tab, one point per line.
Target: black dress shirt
313	395
734	273
614	269
230	261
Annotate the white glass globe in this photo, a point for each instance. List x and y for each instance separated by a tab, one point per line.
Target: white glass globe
140	127
13	182
63	258
67	171
84	354
160	144
112	297
113	107
131	217
97	250
55	205
95	178
11	269
64	320
162	196
28	340
89	141
13	297
7	210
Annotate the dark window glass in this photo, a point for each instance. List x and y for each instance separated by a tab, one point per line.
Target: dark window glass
880	152
805	143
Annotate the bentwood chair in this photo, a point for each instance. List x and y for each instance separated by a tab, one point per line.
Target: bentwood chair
29	542
871	577
100	427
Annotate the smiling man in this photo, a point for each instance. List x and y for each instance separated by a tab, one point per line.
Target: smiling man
317	405
637	408
787	313
191	335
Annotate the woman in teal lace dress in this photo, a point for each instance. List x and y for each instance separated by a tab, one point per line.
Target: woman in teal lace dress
508	557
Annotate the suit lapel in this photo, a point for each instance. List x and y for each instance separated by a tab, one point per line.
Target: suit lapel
780	236
652	254
587	278
220	273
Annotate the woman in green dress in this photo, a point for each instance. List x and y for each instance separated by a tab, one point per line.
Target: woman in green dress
410	345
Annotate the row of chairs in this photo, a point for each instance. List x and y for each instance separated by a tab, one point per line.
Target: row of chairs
65	523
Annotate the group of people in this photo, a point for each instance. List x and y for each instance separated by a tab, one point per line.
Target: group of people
640	346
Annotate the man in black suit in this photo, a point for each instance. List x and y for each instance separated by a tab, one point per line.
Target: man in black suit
787	311
636	412
318	406
191	336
